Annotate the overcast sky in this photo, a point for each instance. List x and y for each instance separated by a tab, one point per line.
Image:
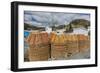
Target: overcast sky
48	18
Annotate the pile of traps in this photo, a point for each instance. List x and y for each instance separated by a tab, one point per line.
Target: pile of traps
44	46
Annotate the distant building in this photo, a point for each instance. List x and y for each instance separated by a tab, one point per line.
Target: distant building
80	31
48	29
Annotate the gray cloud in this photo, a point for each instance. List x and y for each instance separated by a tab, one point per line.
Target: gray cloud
49	18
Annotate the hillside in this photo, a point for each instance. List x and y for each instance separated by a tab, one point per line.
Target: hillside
32	27
80	23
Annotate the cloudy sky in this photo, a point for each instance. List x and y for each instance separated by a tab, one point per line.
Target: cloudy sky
51	18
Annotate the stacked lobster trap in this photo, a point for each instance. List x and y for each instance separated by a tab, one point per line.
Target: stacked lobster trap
72	45
58	46
44	46
84	43
63	46
39	46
